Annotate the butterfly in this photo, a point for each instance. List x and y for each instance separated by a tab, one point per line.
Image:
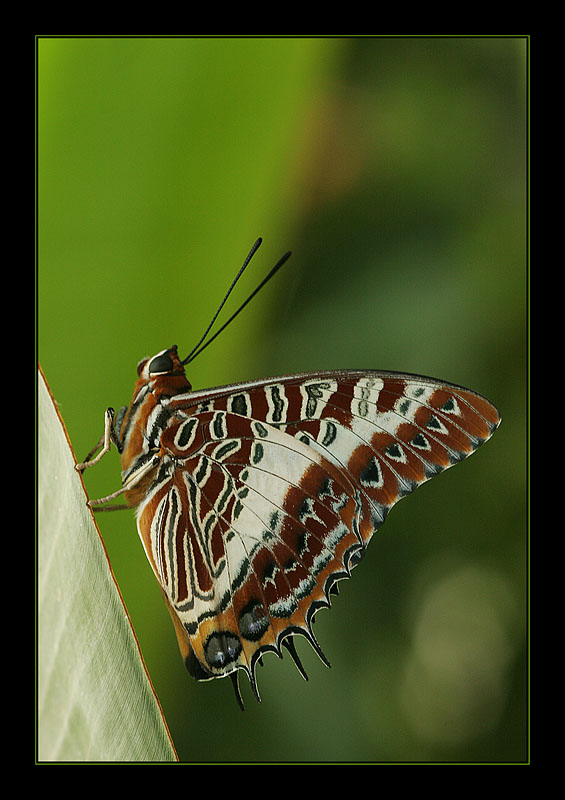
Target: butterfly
255	499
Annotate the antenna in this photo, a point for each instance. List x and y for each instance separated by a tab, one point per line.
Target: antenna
201	344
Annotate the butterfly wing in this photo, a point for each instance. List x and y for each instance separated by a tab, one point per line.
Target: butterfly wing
269	492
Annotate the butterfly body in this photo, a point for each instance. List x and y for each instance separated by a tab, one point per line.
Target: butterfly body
253	500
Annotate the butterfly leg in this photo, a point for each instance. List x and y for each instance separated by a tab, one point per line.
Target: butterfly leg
102	500
130	484
106	440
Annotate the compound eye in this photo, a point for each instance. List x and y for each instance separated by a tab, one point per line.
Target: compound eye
160	364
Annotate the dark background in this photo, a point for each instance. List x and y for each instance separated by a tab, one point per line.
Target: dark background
395	169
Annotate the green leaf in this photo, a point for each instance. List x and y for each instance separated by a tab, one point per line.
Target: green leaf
95	699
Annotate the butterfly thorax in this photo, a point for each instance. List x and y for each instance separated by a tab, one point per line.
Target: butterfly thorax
160	378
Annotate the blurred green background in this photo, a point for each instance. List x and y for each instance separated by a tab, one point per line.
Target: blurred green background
395	170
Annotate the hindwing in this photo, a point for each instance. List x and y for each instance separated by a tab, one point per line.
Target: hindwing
267	493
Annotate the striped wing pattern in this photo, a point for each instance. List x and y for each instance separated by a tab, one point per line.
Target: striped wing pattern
259	497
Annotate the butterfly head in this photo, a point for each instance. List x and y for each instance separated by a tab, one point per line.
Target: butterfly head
164	371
